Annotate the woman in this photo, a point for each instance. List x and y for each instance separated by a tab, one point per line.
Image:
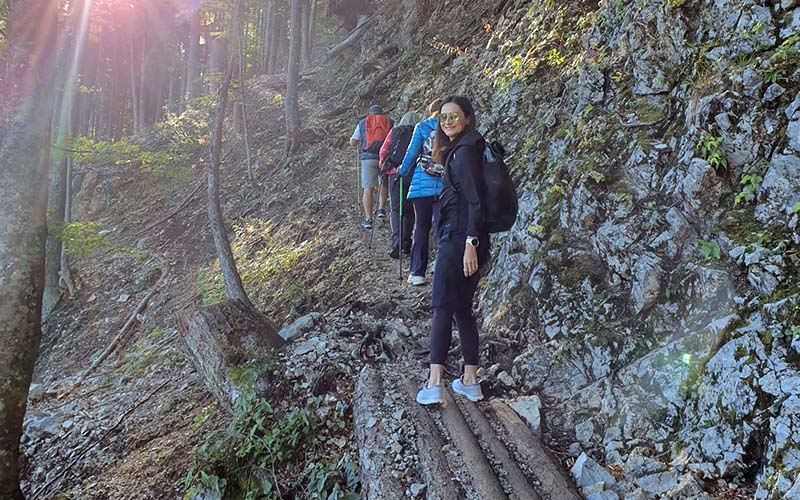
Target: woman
423	193
462	248
402	131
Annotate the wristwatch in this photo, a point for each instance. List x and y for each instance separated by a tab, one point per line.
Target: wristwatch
472	241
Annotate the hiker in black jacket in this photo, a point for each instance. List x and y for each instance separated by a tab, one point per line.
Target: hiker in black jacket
463	246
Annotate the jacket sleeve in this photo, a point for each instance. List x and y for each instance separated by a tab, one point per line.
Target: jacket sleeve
413	151
467	168
385	148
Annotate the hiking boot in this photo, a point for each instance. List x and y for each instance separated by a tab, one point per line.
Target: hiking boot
381	213
394	253
471	392
430	395
367	224
416	280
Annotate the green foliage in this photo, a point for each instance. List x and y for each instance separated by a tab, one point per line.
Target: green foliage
795	208
676	3
244	465
81	239
710	148
169	163
751	182
709	249
555	58
265	263
784	60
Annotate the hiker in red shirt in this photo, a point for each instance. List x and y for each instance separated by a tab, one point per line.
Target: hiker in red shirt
369	135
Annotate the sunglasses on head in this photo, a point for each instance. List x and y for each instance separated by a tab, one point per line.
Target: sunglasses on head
449	117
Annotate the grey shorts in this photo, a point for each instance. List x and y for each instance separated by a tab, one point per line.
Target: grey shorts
369	173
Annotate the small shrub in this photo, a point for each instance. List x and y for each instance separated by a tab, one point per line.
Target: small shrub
751	182
710	149
81	239
709	249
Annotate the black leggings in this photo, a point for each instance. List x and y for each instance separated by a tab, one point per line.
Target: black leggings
442	332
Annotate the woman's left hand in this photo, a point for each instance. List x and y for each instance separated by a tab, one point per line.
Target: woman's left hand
470	260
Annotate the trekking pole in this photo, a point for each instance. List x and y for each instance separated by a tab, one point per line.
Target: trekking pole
358	180
400	241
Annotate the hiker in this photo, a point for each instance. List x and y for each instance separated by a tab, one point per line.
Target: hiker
391	156
369	134
462	248
426	185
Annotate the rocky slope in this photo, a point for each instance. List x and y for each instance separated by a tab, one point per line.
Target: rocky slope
649	287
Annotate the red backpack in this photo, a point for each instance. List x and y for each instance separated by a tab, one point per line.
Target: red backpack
377	127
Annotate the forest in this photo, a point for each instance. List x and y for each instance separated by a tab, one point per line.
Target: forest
201	296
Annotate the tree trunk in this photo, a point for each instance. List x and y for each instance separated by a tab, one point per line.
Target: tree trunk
135	103
233	283
240	39
312	29
193	56
305	15
25	108
276	32
221	337
292	110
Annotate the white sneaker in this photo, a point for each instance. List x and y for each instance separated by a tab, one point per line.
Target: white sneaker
416	280
430	395
471	392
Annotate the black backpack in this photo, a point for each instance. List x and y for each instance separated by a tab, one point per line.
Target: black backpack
401	137
499	193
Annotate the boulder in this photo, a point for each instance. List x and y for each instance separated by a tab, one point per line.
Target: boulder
300	326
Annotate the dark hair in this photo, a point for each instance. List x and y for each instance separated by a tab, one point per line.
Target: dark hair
441	143
434	106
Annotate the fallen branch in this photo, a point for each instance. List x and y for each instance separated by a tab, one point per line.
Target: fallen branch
123	332
80	455
175	212
354	36
380	78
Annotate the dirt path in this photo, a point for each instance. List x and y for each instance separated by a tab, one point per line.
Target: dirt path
459	450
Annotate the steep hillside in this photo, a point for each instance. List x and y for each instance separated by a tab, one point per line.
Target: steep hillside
647	293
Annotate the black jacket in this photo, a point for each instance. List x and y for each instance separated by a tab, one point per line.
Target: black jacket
462	194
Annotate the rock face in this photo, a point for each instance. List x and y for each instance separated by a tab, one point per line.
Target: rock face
650	274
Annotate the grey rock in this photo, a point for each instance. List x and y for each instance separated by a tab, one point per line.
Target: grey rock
602	495
584	431
587	472
793	26
36	392
646	287
752	81
42	427
639	465
780	185
700	188
417	489
792	109
788	4
793	133
300	326
773	92
658	483
529	409
506	379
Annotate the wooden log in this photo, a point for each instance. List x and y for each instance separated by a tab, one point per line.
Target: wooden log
377	482
363	25
484	479
221	337
529	450
435	471
515	478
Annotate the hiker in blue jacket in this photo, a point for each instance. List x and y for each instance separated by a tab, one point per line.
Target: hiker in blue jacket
423	193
